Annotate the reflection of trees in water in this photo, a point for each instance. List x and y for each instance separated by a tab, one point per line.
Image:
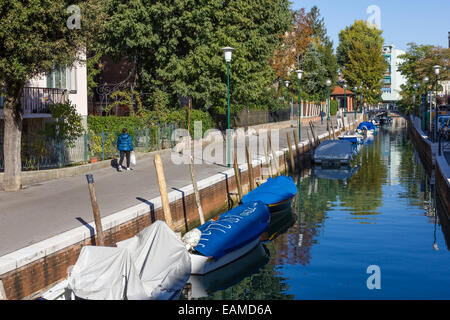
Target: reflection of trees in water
267	284
364	190
294	246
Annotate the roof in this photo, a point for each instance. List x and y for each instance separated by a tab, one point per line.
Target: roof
339	91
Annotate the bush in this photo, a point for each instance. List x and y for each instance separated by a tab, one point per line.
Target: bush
333	107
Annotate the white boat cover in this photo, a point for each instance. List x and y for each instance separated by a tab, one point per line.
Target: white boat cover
334	150
152	265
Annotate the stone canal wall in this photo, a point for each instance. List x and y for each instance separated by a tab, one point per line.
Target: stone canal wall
432	161
26	273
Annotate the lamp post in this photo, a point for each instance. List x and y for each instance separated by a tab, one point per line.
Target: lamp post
287	83
328	83
354	106
228	52
360	98
299	76
424	109
436	72
345	99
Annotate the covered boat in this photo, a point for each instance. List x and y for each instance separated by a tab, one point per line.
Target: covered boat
277	193
333	153
351	136
153	265
232	235
368	127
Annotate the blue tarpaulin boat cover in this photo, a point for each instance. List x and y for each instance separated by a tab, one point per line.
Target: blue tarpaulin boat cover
274	190
367	124
234	229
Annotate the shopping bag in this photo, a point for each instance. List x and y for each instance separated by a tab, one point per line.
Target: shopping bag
133	158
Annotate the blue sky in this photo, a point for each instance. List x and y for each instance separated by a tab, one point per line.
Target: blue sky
402	21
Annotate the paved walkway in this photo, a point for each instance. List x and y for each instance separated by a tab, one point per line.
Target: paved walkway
41	211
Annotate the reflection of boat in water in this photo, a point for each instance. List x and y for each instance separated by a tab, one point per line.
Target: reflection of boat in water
153	265
230	274
279	223
335	173
228	238
277	193
334	153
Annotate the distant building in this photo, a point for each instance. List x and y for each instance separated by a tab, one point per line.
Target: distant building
393	79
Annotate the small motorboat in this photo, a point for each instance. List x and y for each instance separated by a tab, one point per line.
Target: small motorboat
228	238
153	265
277	193
333	153
351	136
367	128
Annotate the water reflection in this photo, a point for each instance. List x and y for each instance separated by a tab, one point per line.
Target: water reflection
386	213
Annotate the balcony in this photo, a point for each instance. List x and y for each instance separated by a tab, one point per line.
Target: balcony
37	101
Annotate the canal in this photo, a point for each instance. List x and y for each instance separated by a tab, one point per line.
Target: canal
380	228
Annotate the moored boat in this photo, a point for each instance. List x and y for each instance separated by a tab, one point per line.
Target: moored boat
277	193
333	153
351	136
228	238
153	265
366	128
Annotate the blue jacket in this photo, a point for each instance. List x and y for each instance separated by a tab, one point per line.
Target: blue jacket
124	142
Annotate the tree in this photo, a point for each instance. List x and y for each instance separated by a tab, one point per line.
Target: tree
34	37
324	45
176	47
361	59
293	44
313	82
418	63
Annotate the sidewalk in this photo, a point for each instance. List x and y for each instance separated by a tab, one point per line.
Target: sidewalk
44	210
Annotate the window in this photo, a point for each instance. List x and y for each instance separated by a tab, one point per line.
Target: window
63	78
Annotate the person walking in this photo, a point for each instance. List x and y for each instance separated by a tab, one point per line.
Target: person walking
125	146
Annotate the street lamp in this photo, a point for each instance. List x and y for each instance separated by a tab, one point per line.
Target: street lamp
360	98
345	99
425	81
299	76
354	106
436	72
228	52
328	83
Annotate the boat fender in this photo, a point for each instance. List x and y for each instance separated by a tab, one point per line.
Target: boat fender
192	238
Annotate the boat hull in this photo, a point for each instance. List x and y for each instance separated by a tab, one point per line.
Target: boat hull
201	264
280	206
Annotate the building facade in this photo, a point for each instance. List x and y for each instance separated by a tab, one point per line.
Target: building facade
393	79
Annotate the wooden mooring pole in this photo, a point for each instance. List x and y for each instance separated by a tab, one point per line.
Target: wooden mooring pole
251	180
269	163
98	221
191	169
237	176
275	159
291	154
163	191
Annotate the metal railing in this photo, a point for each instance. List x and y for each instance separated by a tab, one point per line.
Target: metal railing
38	100
40	152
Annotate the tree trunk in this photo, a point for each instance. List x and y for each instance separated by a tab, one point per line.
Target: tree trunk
12	111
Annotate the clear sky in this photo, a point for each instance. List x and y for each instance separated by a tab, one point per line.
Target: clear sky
402	21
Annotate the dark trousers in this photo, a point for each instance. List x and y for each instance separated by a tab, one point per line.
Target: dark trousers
122	153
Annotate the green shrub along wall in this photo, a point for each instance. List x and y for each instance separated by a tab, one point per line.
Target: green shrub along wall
333	107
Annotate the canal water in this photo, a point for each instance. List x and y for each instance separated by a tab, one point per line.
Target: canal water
377	234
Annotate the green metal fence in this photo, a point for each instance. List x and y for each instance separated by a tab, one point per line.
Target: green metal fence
40	153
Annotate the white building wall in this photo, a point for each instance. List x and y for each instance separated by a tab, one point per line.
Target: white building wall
78	97
397	79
